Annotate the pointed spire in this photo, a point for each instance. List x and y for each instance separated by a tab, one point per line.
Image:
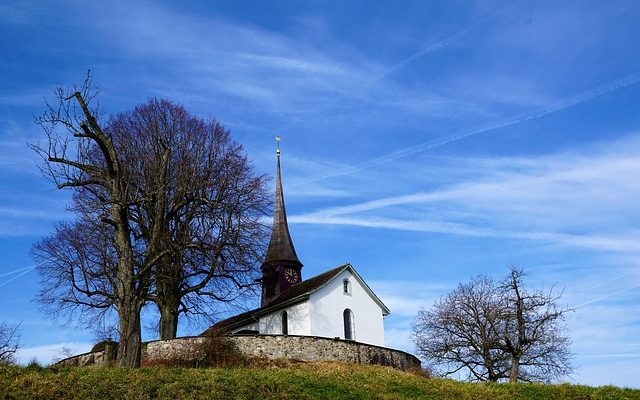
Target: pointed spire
281	250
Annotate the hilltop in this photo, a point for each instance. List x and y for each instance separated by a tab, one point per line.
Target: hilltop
286	381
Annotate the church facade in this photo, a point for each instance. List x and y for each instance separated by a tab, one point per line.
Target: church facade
335	304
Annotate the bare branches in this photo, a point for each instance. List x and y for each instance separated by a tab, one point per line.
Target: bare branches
79	271
460	332
495	331
533	334
9	342
168	209
198	210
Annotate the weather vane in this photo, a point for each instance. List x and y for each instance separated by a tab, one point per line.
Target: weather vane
278	139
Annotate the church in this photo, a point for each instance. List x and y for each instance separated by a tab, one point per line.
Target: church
334	316
336	304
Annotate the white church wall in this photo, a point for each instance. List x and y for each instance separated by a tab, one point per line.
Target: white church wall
328	303
297	316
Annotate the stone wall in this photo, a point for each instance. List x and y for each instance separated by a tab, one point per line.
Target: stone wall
301	348
273	347
98	358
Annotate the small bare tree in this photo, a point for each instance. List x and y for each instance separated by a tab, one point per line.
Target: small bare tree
461	332
9	342
495	331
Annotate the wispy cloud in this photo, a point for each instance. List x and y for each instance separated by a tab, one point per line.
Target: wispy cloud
566	198
584	241
270	72
590	94
396	295
46	354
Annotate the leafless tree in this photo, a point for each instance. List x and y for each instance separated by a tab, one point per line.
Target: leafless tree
168	209
495	331
9	338
91	163
533	335
461	332
205	204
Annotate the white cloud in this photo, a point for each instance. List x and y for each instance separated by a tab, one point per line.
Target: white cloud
404	298
46	354
574	199
400	339
609	371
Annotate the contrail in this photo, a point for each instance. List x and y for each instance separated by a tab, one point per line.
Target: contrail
606	296
607	282
429	49
24	272
570	102
18	270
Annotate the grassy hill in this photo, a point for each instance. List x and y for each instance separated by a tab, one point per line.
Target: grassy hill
291	381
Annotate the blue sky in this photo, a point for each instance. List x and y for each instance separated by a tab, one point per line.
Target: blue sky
424	142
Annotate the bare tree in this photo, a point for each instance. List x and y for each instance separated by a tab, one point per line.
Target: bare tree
495	331
204	202
9	338
533	334
93	164
461	332
168	211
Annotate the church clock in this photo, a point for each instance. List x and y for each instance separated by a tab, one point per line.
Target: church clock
291	275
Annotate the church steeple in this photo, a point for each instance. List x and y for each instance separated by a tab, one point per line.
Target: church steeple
281	267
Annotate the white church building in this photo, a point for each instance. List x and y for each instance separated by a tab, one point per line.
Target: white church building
334	304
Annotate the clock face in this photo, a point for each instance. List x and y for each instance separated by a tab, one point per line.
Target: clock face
291	275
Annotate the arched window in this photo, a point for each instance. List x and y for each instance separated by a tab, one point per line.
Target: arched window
346	286
349	326
285	323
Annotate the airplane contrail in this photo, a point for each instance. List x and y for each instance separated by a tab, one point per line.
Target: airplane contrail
430	48
606	296
25	271
611	86
607	282
18	270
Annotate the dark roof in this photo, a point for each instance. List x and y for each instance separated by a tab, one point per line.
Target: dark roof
299	290
280	246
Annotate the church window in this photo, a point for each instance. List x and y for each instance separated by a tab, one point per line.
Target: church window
346	286
349	326
285	323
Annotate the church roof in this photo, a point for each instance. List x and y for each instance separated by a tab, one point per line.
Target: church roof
280	246
294	294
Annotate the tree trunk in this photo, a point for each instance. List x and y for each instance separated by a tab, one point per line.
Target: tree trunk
128	301
168	319
168	299
129	347
515	370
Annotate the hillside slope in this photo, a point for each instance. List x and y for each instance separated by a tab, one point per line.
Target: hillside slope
300	381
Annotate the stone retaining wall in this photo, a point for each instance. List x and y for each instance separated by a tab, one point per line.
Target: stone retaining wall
301	348
98	358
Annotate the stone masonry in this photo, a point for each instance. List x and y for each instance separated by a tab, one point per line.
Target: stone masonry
299	348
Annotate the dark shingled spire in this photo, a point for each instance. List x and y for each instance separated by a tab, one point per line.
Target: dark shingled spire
280	246
281	267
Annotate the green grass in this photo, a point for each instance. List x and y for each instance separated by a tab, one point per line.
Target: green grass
293	381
